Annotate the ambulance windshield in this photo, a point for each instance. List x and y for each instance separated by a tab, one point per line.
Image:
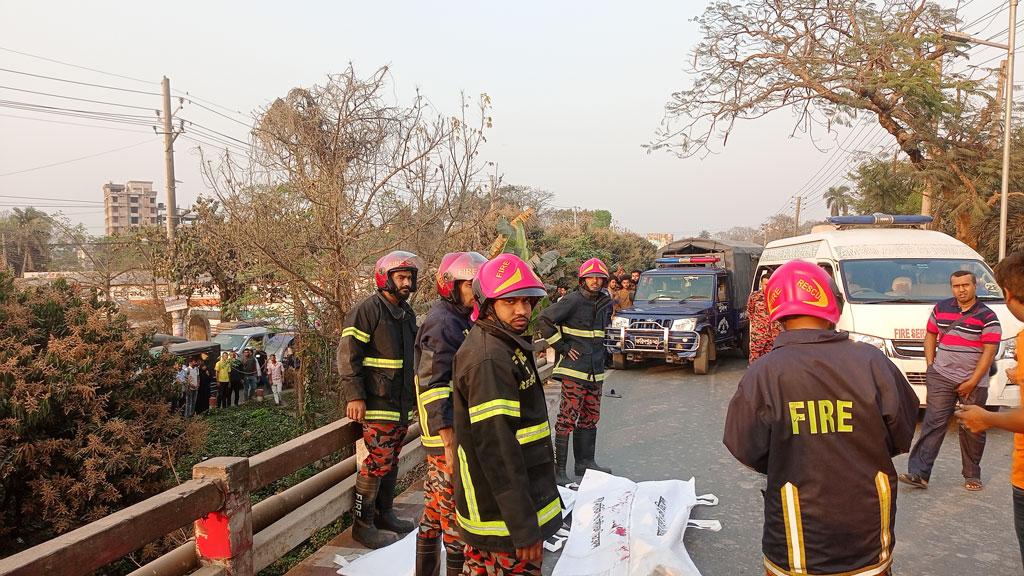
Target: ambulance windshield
912	280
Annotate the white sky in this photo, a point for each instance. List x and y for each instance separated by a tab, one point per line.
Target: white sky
577	87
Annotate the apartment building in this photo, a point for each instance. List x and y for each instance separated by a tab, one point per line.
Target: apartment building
128	205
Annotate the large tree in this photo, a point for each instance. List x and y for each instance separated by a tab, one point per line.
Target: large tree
25	235
841	62
838	200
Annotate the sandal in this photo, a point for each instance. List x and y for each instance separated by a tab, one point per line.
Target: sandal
973	484
914	480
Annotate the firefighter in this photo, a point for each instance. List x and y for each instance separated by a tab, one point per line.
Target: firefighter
375	361
574	326
506	499
822	416
440	336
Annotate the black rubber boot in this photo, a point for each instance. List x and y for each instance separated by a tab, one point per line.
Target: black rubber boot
363	529
584	444
428	556
561	456
386	519
453	562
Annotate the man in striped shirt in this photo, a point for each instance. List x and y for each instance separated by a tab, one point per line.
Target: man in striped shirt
963	336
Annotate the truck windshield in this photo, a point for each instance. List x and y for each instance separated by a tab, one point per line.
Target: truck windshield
912	280
230	342
674	287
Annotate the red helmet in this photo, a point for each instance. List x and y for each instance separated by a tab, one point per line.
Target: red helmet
594	268
505	276
801	288
457	266
395	262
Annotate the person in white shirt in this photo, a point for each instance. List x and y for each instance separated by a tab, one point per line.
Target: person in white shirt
275	373
193	387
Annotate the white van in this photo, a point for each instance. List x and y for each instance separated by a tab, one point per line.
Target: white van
891	278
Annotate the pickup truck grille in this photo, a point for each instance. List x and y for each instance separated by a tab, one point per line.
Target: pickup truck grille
649	324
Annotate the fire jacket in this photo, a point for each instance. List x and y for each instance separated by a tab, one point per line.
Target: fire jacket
375	358
577	322
823	416
505	492
440	336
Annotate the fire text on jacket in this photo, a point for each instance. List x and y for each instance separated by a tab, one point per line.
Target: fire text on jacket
821	416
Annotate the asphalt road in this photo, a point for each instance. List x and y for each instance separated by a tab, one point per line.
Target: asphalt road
668	424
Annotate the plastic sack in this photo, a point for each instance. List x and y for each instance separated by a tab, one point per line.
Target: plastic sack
399	559
622	528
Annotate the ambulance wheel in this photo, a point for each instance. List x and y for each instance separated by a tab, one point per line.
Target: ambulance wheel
619	362
703	358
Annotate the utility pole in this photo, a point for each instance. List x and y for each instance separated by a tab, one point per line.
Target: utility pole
172	210
1011	49
796	221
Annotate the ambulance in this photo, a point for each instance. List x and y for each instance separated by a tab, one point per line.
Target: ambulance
891	273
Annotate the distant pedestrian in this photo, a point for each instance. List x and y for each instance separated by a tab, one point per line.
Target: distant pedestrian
275	374
192	388
206	384
250	373
180	385
223	369
763	331
959	348
263	381
237	378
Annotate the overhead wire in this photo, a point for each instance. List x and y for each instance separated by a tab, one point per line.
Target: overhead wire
52	95
61	163
74	124
96	70
68	81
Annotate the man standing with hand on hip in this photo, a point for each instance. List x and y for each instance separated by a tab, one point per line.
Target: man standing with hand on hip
963	336
375	361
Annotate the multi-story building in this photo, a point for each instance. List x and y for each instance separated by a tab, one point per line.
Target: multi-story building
128	205
660	239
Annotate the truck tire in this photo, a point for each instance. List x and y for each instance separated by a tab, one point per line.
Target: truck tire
703	359
619	362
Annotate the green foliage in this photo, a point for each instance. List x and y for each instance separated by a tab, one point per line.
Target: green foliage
838	200
602	219
886	186
25	235
85	423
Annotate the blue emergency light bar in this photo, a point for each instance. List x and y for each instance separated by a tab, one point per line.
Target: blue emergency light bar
880	219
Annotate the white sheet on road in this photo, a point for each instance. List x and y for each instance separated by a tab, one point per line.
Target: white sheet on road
624	528
399	559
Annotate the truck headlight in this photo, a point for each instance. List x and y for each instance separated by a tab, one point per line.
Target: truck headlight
620	322
1009	350
870	340
684	324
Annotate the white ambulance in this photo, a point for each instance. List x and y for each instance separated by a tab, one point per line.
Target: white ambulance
891	273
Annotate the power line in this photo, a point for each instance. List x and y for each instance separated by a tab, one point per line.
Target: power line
198	125
189	100
73	123
55	79
77	66
76	159
104	102
50	199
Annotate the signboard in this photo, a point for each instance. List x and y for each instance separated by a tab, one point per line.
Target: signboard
175	304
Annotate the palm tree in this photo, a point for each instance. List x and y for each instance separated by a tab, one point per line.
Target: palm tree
838	200
30	231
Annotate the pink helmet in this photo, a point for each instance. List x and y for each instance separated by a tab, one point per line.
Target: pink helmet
505	276
457	266
394	262
594	268
799	288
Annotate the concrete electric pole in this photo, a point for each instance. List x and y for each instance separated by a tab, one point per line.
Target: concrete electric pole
172	207
796	221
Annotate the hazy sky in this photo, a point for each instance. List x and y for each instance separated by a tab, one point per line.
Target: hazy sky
577	88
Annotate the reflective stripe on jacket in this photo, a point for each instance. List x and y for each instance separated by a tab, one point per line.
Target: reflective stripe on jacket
438	339
823	416
375	358
577	322
505	492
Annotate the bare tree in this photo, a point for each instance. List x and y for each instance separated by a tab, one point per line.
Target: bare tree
831	62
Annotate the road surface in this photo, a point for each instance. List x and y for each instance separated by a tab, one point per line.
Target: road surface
668	424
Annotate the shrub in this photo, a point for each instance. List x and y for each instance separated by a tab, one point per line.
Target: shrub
85	423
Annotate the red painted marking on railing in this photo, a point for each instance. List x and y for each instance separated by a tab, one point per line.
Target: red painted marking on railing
212	537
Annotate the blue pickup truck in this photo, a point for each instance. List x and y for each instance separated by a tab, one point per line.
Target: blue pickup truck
690	307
